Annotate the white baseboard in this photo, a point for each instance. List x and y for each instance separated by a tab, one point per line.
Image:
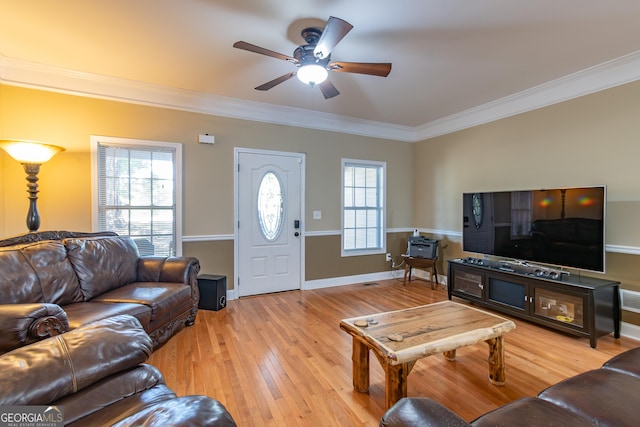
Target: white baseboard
630	330
331	282
231	294
426	275
350	280
346	280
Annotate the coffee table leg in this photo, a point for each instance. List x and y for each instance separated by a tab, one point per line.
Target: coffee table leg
360	359
396	382
496	360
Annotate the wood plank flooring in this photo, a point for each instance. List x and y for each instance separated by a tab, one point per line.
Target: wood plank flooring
282	360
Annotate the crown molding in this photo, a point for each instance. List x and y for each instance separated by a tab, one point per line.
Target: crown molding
616	72
46	77
613	73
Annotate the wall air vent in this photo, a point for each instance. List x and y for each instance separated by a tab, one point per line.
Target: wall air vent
630	300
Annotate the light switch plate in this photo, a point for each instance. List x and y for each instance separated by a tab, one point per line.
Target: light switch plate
317	214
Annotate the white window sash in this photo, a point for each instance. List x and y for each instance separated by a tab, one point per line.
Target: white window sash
131	144
364	209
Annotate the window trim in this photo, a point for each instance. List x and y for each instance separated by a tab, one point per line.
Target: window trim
128	143
383	219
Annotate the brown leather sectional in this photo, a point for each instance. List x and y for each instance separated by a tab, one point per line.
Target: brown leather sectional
54	281
608	396
79	315
96	376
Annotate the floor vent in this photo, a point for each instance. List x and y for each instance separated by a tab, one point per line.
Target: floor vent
630	300
370	284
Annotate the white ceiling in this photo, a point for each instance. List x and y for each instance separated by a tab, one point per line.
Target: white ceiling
448	56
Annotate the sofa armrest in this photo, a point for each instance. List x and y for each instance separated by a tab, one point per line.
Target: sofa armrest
47	370
168	269
172	269
116	396
420	411
22	324
187	411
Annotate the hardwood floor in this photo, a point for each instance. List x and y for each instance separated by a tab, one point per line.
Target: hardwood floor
282	360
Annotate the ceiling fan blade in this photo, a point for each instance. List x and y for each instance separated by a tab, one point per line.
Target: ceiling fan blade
374	69
277	81
333	32
257	49
328	89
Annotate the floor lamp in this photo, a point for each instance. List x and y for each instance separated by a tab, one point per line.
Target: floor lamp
31	154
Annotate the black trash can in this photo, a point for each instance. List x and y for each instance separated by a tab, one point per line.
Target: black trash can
213	292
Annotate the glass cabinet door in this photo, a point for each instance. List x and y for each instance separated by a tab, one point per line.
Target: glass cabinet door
560	307
468	283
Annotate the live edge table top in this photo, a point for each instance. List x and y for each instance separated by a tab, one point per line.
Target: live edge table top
425	330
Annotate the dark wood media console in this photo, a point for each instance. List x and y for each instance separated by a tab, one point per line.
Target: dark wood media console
575	304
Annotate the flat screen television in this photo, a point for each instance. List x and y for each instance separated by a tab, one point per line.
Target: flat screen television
562	227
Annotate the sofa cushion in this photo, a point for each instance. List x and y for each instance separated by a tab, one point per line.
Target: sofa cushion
530	411
116	396
166	300
83	313
48	370
58	280
603	396
102	263
19	283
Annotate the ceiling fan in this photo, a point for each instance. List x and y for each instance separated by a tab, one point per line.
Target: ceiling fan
314	58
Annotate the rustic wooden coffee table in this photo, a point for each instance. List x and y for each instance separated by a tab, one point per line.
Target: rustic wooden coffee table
400	338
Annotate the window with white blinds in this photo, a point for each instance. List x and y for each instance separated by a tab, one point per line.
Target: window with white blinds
138	186
363	207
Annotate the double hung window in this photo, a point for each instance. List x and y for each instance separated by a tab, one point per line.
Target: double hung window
137	189
363	207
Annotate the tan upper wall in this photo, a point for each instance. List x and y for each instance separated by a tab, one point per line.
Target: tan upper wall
591	140
65	182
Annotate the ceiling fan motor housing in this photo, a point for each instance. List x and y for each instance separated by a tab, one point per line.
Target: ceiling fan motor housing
304	54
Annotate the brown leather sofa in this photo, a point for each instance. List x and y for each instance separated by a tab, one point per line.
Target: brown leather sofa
609	396
54	281
95	376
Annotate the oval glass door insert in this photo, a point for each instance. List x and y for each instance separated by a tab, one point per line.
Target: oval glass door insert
270	206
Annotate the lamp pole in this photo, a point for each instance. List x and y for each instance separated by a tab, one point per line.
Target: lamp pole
33	217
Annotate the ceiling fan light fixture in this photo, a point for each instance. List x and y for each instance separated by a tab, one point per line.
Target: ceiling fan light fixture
313	59
312	74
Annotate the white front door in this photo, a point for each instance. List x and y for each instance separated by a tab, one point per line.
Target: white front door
269	230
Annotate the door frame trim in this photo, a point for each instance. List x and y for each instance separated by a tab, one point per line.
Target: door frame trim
236	202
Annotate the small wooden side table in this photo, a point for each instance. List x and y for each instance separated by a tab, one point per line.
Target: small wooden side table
423	263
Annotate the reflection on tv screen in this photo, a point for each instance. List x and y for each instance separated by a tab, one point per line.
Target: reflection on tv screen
562	227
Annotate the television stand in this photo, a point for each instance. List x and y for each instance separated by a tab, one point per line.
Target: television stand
520	267
578	305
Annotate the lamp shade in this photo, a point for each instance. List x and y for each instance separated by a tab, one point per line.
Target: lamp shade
29	151
312	74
